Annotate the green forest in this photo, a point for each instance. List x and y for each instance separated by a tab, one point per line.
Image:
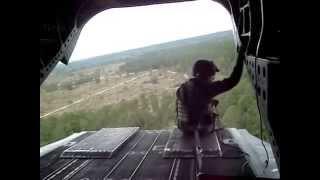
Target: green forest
237	108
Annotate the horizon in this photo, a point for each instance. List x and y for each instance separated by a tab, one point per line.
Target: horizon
113	53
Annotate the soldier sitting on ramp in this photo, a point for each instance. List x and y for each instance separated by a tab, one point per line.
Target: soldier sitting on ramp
195	105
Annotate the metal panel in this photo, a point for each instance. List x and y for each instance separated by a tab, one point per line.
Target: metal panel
264	74
180	145
102	144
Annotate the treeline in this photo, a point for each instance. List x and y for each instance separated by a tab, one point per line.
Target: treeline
182	54
76	81
179	55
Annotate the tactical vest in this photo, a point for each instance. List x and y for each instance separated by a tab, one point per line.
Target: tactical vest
194	106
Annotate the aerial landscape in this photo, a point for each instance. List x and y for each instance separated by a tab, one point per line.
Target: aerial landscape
137	88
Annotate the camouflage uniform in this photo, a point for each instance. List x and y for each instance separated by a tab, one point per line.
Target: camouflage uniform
195	104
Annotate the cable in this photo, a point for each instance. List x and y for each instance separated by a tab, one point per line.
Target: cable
261	137
255	71
261	129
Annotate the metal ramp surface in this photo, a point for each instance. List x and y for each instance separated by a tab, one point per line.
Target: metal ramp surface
102	144
141	157
180	145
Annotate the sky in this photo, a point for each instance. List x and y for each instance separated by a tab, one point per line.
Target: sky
121	29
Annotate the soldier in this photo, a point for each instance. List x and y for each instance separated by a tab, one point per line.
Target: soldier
195	104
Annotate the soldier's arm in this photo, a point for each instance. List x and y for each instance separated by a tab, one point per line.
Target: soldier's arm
219	87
